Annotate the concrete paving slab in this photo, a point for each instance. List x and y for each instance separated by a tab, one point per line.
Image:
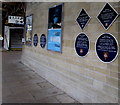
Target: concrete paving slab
46	92
64	98
48	100
23	85
46	85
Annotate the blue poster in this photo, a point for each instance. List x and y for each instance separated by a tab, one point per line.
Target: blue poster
54	40
54	28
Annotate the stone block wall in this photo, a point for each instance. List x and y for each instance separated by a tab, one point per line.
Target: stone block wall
87	79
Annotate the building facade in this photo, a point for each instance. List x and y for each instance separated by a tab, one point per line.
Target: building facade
87	79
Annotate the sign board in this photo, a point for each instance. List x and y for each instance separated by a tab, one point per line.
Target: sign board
29	23
83	19
43	40
107	16
54	38
16	20
107	48
35	40
82	44
23	40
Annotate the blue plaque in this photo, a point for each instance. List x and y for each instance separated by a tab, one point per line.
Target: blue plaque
107	48
83	18
107	16
35	40
82	44
43	40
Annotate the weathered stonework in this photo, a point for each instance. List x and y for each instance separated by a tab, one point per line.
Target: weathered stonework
86	79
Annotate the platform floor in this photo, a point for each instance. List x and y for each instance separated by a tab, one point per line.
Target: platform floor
21	84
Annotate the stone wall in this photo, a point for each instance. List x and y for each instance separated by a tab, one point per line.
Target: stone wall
87	79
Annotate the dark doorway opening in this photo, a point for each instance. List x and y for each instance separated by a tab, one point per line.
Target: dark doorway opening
16	36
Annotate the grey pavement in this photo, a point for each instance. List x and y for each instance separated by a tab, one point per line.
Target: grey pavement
21	84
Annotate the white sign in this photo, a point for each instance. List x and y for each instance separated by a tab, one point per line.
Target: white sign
23	40
16	19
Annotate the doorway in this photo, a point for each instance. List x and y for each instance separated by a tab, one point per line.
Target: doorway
16	35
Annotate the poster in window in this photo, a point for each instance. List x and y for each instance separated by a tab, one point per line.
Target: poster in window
29	23
55	28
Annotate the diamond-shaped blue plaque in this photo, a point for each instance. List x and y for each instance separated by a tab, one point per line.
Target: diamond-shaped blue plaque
83	18
107	16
